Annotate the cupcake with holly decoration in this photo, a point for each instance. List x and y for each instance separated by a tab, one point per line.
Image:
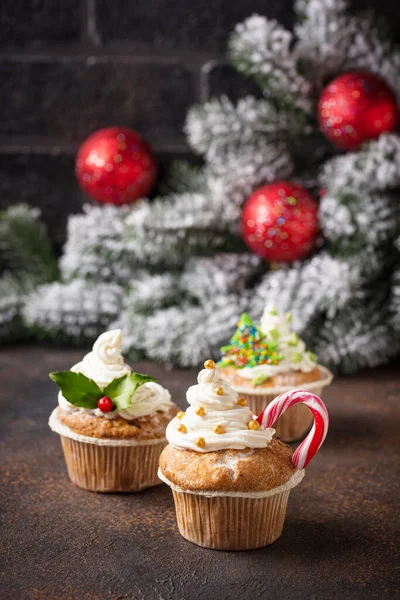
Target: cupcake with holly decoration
230	477
111	420
262	362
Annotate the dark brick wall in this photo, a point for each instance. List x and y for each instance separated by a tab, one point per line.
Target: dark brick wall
70	67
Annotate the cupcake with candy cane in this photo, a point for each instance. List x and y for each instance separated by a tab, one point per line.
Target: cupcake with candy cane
111	420
230	477
262	362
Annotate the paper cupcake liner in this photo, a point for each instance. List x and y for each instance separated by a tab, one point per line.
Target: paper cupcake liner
232	522
111	467
295	422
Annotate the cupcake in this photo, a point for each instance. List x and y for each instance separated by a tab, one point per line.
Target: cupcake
230	477
111	420
262	362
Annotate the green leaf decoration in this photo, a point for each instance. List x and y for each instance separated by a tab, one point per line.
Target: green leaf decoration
273	312
122	389
312	356
77	389
288	317
260	379
81	391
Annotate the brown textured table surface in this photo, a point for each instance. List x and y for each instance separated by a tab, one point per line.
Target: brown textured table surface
340	538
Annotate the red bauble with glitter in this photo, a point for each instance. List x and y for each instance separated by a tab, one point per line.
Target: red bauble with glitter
356	107
280	222
115	166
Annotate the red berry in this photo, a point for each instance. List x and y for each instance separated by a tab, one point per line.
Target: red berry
105	404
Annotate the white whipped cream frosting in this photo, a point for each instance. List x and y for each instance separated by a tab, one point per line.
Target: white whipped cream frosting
290	346
106	363
221	410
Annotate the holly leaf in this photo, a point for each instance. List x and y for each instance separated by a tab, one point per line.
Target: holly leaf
78	389
122	389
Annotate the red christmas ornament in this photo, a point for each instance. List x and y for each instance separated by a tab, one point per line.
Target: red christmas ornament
280	222
356	107
105	404
115	166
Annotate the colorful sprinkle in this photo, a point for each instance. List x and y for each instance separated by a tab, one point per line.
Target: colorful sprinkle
249	347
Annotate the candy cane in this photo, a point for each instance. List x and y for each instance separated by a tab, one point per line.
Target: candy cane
310	446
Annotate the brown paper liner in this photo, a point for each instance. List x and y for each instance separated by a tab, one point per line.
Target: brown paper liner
230	523
112	468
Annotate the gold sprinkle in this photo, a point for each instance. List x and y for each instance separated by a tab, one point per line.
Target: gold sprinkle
219	391
209	364
181	428
200	442
180	415
242	402
200	412
253	425
218	429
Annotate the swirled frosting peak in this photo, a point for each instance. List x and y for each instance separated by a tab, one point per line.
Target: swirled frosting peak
216	419
105	362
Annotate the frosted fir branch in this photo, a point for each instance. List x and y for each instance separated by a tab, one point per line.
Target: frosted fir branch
358	337
376	166
330	42
324	33
25	249
153	292
219	123
184	335
238	169
183	177
394	304
220	275
11	301
261	48
95	247
359	223
175	227
77	311
320	285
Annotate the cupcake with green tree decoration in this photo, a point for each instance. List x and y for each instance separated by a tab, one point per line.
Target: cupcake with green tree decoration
263	361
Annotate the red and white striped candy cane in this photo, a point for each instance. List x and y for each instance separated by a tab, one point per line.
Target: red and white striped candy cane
310	446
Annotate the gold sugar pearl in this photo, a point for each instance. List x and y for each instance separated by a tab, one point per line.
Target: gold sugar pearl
253	425
200	442
242	402
219	391
200	412
180	415
218	429
181	428
209	364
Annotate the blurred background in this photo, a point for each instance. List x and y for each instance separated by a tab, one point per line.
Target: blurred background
278	181
69	68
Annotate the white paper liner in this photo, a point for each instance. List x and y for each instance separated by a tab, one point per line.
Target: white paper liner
293	481
58	427
275	391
